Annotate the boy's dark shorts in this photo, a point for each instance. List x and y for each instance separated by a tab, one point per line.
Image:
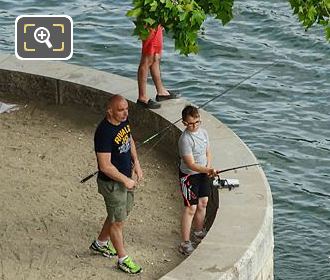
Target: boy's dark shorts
118	200
194	187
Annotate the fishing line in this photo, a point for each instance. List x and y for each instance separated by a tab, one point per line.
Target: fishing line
238	167
316	193
207	102
199	107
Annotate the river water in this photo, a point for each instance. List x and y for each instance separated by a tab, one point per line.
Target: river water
282	113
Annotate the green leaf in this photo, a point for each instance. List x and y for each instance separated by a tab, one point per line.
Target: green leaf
134	13
188	7
153	6
327	33
169	4
327	4
312	13
150	21
179	8
144	33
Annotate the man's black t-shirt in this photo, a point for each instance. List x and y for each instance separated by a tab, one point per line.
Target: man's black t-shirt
114	139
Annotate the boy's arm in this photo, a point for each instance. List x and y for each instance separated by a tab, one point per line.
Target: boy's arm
190	162
208	156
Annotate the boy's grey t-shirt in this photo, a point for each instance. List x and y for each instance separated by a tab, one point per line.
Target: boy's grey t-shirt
195	144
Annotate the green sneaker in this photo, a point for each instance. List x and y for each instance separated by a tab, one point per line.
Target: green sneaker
129	266
106	251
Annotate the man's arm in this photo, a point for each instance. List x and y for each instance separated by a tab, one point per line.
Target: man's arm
133	151
105	165
136	164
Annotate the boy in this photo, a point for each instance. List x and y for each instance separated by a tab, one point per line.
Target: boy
195	167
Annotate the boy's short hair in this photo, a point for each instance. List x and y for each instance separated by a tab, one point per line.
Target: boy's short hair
191	111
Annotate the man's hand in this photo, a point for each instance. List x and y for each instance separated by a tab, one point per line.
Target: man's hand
129	183
138	171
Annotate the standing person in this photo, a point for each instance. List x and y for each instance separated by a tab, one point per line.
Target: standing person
117	159
150	59
195	167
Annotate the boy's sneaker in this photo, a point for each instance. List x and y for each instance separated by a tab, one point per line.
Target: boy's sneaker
199	235
186	248
106	251
129	266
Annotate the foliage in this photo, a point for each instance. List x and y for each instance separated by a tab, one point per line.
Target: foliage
313	11
183	18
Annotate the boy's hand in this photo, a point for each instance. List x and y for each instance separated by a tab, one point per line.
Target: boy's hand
213	172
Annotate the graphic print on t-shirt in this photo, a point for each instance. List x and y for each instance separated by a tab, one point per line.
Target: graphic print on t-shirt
123	139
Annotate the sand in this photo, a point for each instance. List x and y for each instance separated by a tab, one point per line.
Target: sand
48	219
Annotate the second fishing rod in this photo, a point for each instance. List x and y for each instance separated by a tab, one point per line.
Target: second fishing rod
165	129
206	103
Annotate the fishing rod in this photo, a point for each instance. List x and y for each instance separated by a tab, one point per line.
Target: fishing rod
207	102
229	183
178	120
88	177
238	167
238	84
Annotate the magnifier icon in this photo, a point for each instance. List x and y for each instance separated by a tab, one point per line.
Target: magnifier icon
41	35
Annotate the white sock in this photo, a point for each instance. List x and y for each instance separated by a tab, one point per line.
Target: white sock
102	243
199	233
120	260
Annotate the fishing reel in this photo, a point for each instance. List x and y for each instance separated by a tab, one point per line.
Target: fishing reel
225	183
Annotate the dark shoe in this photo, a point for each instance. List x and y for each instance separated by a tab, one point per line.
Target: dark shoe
172	95
149	105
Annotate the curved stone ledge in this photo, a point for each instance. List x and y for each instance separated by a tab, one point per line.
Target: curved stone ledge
240	243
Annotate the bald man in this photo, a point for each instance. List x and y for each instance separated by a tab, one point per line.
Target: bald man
117	161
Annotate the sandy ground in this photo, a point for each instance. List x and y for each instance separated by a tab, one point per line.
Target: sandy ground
48	219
